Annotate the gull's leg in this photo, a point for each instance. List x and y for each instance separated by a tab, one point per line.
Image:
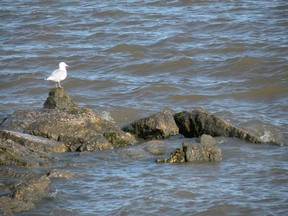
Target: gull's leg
59	85
56	85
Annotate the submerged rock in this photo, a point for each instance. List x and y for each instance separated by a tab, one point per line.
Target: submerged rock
78	128
177	156
205	151
199	121
158	126
59	99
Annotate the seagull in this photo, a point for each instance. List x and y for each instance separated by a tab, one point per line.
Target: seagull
59	74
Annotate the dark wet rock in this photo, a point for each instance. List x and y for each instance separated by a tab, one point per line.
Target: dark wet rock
59	99
199	121
21	189
158	126
177	156
205	151
80	129
24	172
23	178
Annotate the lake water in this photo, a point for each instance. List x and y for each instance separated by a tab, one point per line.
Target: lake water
131	59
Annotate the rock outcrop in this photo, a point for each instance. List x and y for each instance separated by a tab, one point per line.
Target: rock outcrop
23	172
159	126
205	151
59	99
79	129
13	153
31	139
21	190
34	143
199	121
202	152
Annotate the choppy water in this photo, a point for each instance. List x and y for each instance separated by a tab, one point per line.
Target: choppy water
134	58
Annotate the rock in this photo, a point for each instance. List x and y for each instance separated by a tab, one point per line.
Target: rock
58	99
197	152
78	128
158	126
208	140
177	156
23	175
33	142
21	190
13	153
28	140
148	150
205	151
199	121
25	171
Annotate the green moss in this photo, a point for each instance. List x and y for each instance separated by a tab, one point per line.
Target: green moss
114	139
180	114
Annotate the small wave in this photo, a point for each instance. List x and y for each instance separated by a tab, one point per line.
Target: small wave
111	13
107	116
264	93
266	132
53	194
178	63
267	137
128	48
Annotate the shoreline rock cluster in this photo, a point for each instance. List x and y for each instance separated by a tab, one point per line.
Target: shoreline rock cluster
206	150
33	139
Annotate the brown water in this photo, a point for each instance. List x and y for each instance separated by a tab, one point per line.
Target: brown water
134	58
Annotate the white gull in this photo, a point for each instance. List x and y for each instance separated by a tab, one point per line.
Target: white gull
59	74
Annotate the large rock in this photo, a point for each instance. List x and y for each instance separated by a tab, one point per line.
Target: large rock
202	152
23	189
33	142
78	128
205	151
58	99
199	121
25	170
13	153
23	176
158	126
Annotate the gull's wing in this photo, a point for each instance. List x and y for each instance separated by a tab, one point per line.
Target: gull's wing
57	74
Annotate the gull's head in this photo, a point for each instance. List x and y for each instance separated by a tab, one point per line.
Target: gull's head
62	65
